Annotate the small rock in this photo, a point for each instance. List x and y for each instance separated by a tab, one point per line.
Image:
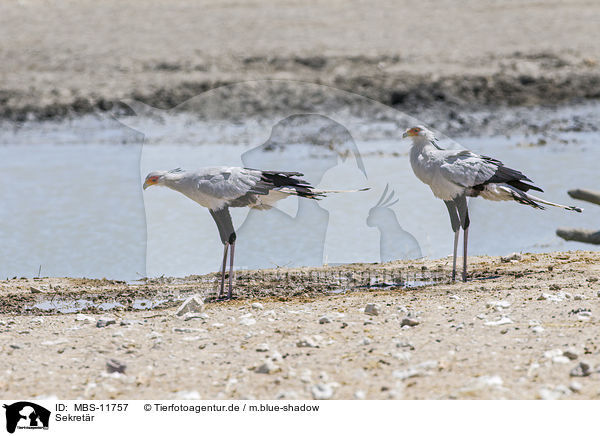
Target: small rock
247	321
262	348
513	256
86	319
409	322
307	342
560	359
372	309
324	320
35	290
195	303
556	298
268	367
497	305
359	395
286	395
257	306
575	386
113	365
581	370
15	346
187	330
305	377
571	354
578	297
501	321
553	394
103	322
188	395
406	373
322	391
553	353
404	356
537	329
481	383
127	322
192	315
421	369
366	341
276	357
405	345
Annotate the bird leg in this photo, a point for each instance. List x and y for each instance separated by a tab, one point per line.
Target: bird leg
465	240
230	270
223	270
454	256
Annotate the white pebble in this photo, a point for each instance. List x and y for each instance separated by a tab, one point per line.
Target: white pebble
372	309
85	318
268	367
262	347
322	391
307	342
195	303
501	321
359	395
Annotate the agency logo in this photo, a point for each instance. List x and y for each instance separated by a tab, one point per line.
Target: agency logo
26	415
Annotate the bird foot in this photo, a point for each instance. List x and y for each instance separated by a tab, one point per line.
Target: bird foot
222	298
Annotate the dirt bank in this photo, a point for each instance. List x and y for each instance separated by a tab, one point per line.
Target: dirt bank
78	57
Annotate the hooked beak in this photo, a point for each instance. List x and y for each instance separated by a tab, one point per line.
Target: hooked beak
405	135
148	183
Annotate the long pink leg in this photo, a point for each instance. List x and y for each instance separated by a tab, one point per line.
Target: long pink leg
465	237
230	269
454	257
223	270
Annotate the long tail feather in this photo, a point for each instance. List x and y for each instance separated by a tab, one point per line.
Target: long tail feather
531	200
316	193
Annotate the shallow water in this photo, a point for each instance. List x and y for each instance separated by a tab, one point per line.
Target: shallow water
71	201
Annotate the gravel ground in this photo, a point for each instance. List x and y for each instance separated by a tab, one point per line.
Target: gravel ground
525	327
80	56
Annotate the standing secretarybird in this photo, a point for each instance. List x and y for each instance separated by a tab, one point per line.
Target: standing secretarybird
219	188
454	175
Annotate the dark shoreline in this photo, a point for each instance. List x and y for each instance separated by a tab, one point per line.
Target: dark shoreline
560	84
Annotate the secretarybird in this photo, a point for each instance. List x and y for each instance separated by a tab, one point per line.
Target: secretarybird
454	175
219	188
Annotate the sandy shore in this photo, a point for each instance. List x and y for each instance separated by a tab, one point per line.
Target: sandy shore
76	57
525	327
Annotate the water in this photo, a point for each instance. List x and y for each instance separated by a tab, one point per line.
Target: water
79	304
71	200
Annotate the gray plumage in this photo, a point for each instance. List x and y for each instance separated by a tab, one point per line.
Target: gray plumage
219	188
